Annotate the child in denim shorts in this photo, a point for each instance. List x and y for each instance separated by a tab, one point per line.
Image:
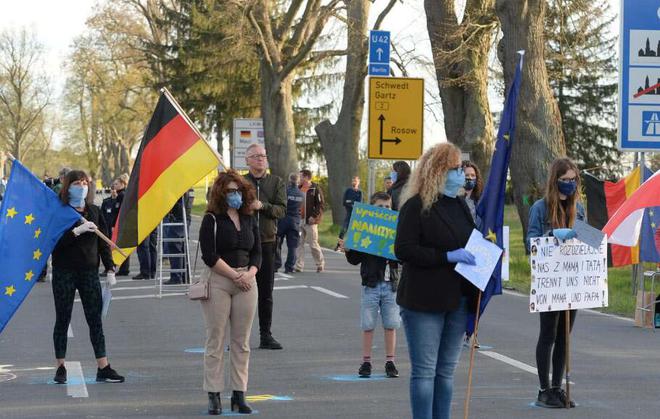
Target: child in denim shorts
379	282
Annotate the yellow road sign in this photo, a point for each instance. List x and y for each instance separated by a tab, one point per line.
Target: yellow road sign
396	118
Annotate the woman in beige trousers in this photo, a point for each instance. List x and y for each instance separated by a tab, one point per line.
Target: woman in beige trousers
231	249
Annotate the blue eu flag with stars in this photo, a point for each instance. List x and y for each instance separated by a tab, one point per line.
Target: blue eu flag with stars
32	220
491	205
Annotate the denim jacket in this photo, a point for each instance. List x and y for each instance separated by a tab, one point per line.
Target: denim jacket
538	221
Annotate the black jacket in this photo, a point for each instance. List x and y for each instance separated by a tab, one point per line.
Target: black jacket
428	281
372	268
271	191
395	192
313	204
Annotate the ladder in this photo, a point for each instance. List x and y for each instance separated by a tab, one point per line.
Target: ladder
185	255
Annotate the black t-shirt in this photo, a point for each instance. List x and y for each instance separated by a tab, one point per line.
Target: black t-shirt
237	248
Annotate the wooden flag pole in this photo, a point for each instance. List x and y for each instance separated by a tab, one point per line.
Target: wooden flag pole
192	124
466	406
568	359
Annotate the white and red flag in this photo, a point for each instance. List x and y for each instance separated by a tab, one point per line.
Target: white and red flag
624	226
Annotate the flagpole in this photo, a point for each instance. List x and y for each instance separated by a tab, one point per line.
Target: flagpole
568	359
192	124
466	406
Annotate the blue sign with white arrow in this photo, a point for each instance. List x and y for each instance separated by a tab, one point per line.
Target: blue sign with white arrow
379	53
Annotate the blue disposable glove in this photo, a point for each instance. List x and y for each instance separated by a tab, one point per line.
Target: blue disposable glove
461	256
564	233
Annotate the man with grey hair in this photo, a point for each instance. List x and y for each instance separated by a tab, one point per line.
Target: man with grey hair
269	207
289	226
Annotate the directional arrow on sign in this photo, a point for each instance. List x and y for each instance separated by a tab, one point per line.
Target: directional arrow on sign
379	51
395	140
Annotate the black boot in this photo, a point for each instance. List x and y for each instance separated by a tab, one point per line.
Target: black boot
215	408
238	401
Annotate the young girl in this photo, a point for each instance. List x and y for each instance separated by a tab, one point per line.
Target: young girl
554	215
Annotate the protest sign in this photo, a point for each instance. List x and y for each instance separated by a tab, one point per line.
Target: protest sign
567	275
372	230
486	255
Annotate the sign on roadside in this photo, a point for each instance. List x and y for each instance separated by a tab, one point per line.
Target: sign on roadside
567	276
639	76
246	132
379	53
396	118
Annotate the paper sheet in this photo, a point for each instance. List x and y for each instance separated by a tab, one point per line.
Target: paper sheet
486	253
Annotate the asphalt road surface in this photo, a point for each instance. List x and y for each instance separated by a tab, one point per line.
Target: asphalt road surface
157	344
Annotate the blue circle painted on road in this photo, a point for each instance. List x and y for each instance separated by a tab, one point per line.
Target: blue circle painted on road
71	381
227	412
355	377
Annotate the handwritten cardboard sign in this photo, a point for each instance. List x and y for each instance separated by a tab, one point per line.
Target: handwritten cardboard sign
372	230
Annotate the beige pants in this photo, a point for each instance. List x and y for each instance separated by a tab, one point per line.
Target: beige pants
309	234
227	303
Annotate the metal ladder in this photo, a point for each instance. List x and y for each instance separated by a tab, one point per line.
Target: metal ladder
176	288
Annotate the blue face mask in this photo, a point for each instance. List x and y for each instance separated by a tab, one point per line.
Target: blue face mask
566	188
469	184
455	179
77	195
235	200
393	176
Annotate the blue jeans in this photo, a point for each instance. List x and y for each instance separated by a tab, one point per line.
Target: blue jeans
380	298
434	344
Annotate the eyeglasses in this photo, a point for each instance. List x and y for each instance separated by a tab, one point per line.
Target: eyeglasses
231	190
258	156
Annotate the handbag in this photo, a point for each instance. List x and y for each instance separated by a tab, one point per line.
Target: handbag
199	290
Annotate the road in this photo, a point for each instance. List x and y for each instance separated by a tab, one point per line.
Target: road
157	342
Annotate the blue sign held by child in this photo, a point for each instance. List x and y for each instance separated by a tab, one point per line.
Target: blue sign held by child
372	230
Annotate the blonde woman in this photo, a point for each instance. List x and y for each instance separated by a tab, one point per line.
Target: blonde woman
434	226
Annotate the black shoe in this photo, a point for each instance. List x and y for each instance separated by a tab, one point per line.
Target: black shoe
288	271
365	370
60	375
172	282
390	369
215	407
238	402
123	273
561	396
140	276
548	398
269	342
108	375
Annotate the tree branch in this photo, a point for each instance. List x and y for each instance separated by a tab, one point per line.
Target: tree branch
383	14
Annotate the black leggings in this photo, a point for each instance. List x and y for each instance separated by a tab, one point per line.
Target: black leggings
65	283
553	332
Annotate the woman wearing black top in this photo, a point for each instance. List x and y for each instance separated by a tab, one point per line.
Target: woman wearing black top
76	267
231	248
433	229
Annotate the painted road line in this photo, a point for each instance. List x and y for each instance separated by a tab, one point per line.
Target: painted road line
139	297
148	287
290	287
75	386
69	332
327	291
514	363
134	281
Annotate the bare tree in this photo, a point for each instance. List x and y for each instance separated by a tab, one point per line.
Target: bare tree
285	38
538	137
460	54
24	91
340	140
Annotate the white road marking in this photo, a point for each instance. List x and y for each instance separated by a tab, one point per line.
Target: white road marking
138	297
290	287
283	275
79	388
148	287
327	291
514	363
69	332
134	280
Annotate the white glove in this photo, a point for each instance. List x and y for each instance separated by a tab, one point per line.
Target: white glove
110	278
85	227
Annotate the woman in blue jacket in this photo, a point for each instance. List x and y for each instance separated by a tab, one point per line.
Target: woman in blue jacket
555	215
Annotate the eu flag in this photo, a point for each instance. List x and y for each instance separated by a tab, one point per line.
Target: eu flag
32	220
491	205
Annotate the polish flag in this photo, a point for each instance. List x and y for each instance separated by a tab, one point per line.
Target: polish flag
624	226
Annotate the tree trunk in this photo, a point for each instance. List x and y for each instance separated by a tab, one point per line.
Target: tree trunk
340	140
538	138
279	130
460	55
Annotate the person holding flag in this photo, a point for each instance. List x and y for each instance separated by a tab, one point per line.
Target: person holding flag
433	228
76	267
554	215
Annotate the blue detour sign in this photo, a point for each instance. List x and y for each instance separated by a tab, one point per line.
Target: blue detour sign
372	230
379	53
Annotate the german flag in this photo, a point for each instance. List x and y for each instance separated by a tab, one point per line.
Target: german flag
172	158
603	199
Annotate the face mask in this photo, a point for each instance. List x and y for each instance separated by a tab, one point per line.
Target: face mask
393	176
469	184
77	195
455	179
566	188
235	200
